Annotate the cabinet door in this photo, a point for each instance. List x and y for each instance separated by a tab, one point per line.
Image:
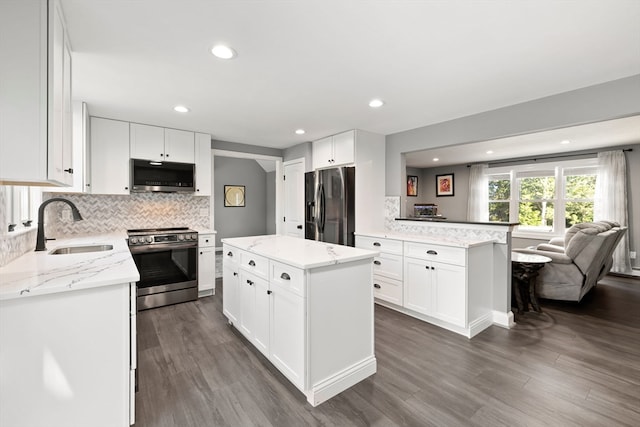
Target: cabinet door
417	285
203	164
247	304
287	334
449	293
207	269
322	153
261	316
343	148
147	142
231	292
179	146
109	156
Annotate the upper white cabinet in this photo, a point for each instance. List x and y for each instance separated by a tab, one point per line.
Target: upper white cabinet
35	136
334	150
203	164
109	156
157	143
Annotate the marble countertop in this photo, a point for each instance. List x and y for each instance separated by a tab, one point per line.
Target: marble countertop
435	240
40	273
300	253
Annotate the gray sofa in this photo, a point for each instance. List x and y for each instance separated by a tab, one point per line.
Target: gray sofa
579	260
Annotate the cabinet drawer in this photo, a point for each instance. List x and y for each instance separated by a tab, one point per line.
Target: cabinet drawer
206	240
389	246
387	289
287	277
256	264
230	255
388	265
446	254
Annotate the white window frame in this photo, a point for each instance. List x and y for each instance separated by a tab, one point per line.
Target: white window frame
21	203
558	168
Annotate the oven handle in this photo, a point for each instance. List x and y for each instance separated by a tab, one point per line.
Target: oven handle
161	247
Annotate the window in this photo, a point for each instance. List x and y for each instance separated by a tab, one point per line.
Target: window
21	205
545	198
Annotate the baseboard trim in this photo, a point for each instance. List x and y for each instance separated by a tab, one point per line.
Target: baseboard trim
326	389
504	320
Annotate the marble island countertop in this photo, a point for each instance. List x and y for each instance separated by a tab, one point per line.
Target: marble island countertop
40	273
435	239
300	253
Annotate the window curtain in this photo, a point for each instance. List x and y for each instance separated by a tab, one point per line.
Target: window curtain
611	202
478	207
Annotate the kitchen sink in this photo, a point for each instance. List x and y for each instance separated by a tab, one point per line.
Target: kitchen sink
81	249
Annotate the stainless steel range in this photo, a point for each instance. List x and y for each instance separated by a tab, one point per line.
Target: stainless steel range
167	260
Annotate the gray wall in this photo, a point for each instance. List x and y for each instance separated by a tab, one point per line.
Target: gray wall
245	148
300	151
270	193
249	220
452	207
595	103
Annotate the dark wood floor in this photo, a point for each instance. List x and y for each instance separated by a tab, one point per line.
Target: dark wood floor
572	365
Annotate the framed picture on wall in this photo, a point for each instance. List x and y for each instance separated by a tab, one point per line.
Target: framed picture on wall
412	186
444	185
234	196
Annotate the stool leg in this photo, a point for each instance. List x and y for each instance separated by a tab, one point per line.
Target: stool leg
516	288
532	294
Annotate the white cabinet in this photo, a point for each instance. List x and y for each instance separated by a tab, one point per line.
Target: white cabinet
203	164
206	264
68	359
388	270
109	156
322	345
35	136
157	143
334	150
450	286
231	284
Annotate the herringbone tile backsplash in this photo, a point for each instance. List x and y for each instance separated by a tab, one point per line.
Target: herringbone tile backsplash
104	214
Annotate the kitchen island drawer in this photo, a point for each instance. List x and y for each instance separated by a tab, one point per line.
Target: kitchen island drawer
230	255
388	265
256	264
288	277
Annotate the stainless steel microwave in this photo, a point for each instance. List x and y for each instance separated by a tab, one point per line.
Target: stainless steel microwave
164	177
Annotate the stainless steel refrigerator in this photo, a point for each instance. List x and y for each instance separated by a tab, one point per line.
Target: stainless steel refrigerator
330	205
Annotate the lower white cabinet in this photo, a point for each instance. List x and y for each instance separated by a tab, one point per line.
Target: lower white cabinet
68	359
314	325
206	264
447	285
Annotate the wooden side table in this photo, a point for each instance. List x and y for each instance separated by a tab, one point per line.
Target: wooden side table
524	272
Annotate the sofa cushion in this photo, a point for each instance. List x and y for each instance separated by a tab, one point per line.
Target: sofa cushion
599	226
580	240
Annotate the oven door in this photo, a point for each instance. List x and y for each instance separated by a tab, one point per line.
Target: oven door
168	274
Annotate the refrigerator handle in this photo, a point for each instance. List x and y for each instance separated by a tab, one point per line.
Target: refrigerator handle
321	201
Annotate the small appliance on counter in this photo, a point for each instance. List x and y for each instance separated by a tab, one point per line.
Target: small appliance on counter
427	211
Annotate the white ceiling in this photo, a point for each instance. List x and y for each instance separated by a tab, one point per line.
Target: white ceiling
316	64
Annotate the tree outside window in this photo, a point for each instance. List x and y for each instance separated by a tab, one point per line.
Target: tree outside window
537	201
499	197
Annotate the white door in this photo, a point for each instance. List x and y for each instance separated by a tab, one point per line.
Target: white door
287	333
294	198
418	285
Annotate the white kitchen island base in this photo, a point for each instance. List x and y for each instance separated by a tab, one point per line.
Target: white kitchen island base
307	306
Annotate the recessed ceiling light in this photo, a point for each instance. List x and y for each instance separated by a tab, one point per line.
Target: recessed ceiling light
376	103
490	152
435	159
300	131
223	52
565	142
181	109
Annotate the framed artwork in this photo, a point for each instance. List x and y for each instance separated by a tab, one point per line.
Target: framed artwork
444	185
234	196
412	186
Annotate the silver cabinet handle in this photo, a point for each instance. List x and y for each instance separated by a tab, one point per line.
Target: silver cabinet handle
432	252
375	285
285	276
252	263
376	244
376	262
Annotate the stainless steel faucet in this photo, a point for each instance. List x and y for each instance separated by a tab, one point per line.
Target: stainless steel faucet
41	240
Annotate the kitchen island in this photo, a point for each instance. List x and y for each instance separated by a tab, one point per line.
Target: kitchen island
67	335
306	305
